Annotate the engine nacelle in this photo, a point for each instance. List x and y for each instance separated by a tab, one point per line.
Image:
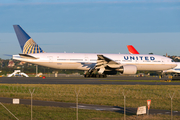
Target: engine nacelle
128	69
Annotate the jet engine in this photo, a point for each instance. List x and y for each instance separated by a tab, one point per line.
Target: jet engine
127	69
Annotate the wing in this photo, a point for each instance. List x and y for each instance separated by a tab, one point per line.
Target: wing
105	63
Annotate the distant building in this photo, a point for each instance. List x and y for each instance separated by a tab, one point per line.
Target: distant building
178	57
11	63
173	57
18	67
2	64
21	63
29	64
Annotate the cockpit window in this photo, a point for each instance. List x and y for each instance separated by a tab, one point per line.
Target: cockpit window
172	60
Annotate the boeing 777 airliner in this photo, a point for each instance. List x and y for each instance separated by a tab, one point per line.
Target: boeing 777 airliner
95	65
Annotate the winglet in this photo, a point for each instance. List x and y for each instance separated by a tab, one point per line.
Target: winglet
132	50
27	44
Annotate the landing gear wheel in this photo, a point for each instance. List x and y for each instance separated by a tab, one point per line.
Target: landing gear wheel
95	75
104	76
101	76
86	76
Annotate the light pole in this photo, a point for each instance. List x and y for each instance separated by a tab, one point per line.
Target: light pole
36	70
77	93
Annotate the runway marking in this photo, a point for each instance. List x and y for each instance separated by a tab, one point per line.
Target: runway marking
81	106
99	109
96	108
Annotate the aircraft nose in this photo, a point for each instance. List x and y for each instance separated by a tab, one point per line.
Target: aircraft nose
174	65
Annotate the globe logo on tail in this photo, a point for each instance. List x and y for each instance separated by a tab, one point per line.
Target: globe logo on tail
31	47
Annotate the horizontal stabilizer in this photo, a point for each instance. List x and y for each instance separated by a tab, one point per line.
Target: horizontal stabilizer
26	56
8	55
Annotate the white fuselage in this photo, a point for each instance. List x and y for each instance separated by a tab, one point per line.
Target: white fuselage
85	61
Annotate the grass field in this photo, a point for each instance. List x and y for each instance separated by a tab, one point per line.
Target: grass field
111	95
22	112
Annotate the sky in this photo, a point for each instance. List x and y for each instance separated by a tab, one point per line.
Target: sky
92	26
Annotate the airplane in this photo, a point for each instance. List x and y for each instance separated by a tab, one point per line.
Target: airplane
176	69
94	65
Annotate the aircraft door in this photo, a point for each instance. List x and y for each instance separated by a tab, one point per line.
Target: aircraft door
162	60
86	59
50	59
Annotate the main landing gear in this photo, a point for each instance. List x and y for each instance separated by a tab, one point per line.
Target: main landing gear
95	76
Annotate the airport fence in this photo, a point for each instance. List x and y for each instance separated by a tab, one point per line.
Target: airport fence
99	94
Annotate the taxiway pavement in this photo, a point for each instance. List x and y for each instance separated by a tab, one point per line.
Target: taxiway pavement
111	80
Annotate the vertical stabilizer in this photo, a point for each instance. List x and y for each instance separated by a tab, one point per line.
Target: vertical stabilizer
27	44
132	50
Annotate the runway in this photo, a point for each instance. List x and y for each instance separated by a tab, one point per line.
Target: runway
111	80
86	106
